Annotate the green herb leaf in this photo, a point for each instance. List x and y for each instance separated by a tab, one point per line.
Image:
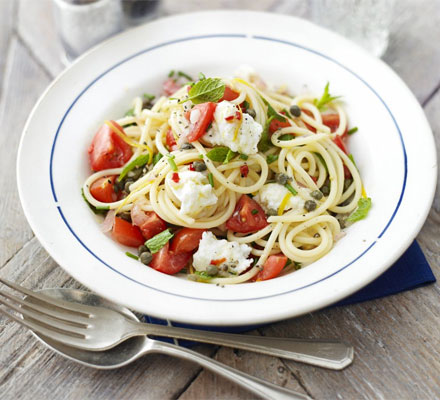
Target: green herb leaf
272	113
221	154
246	105
186	76
211	179
286	111
254	211
208	90
156	158
96	210
325	98
129	113
171	73
321	159
265	144
203	274
271	158
172	163
286	136
157	242
297	265
148	96
137	162
201	156
350	156
290	188
352	130
361	211
201	76
131	255
244	156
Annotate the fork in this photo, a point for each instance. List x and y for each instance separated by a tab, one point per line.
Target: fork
99	328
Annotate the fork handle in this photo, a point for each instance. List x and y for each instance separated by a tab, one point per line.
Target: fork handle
255	385
322	353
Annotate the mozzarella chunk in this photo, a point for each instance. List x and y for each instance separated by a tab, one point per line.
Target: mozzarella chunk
271	195
210	248
179	123
193	190
222	131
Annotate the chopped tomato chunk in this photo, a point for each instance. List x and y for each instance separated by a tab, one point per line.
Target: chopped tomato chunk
275	125
186	240
244	170
229	94
170	86
198	129
108	150
152	225
168	262
217	262
126	233
171	141
247	217
272	267
103	189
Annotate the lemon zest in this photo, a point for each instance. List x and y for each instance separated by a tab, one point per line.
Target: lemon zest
284	203
364	193
238	125
130	141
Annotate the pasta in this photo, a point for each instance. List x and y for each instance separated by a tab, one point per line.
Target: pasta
267	174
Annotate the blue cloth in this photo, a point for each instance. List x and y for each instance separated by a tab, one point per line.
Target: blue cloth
410	271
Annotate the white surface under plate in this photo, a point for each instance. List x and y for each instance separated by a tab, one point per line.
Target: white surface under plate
394	150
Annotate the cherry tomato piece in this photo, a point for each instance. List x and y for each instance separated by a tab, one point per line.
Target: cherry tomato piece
103	189
108	150
126	233
247	217
152	225
170	86
272	267
186	240
169	262
229	94
275	125
198	129
171	141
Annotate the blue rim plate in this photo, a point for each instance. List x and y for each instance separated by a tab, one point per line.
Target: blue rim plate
398	167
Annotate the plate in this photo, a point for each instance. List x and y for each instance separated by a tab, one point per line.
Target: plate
394	150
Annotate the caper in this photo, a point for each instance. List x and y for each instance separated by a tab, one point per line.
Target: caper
347	183
251	112
147	104
135	174
310	205
212	270
272	212
187	146
125	216
316	194
142	249
295	110
282	179
128	182
199	166
325	190
146	257
118	186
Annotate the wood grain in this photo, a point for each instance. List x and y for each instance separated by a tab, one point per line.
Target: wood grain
7	21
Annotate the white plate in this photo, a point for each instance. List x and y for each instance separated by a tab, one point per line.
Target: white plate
394	150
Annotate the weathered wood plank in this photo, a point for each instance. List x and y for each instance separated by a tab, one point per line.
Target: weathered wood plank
7	23
24	82
36	27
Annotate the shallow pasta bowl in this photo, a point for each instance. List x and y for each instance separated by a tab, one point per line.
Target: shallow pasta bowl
394	151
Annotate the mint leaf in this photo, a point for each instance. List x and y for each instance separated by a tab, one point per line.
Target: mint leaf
286	136
207	90
96	210
361	211
221	154
201	76
272	113
137	162
244	156
271	158
156	158
265	144
157	242
325	98
203	274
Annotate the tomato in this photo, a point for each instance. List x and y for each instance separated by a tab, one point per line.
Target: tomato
247	217
152	225
275	125
229	94
103	189
186	240
171	141
170	86
198	129
244	170
272	267
331	120
126	233
168	262
108	150
339	142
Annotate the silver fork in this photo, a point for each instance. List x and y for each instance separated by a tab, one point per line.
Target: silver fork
98	328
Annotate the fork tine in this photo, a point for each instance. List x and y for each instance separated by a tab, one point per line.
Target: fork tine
44	322
76	308
50	311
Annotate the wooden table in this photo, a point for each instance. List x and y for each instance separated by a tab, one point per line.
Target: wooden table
397	339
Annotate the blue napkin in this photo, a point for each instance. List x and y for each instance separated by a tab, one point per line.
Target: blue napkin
410	271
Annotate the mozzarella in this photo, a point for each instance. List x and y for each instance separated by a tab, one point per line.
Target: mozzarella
271	195
210	248
193	190
222	131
